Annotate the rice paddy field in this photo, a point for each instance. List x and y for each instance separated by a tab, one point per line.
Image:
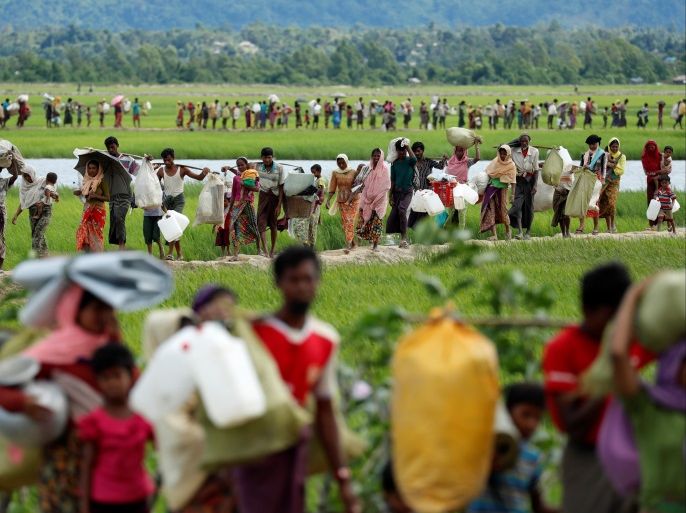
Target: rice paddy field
548	268
159	124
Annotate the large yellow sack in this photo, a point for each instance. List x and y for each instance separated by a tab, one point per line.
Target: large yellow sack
445	392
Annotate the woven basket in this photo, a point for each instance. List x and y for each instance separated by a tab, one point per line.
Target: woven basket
298	207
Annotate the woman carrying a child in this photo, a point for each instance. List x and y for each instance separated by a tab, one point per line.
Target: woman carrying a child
31	198
90	233
242	220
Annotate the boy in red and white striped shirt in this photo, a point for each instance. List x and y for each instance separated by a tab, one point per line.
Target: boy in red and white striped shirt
666	198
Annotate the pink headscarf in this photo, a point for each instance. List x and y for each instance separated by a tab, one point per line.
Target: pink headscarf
459	168
374	197
69	342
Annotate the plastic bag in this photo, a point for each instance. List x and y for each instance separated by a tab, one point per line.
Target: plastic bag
543	199
276	430
579	197
211	202
445	377
392	153
147	188
595	197
557	162
480	182
296	183
462	137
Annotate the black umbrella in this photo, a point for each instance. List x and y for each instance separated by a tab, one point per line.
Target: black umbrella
110	165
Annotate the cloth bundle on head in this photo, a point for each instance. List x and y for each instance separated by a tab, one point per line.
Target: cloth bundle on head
651	158
10	157
91	183
347	164
376	186
127	281
505	171
30	192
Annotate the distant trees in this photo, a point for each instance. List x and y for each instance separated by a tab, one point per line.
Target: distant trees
547	54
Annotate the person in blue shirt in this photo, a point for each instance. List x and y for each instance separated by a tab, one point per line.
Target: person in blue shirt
517	490
136	111
402	180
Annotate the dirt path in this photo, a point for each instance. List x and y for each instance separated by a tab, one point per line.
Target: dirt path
393	254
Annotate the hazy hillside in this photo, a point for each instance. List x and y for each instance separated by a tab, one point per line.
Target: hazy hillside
159	14
550	54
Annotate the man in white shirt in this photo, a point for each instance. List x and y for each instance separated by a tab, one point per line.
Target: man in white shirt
359	112
552	113
316	112
236	115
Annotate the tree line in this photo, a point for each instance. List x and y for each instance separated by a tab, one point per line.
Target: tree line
498	54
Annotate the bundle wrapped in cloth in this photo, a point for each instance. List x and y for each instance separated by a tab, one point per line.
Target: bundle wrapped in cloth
443	362
462	137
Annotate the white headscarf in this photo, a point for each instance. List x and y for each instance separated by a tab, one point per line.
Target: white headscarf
347	164
30	192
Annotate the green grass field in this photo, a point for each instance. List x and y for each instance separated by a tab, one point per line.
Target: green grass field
37	141
348	291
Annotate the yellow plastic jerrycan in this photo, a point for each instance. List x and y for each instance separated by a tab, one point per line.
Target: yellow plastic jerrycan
445	392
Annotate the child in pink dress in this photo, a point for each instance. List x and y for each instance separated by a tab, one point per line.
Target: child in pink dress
113	476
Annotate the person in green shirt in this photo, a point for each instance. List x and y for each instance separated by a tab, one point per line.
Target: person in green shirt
657	413
402	178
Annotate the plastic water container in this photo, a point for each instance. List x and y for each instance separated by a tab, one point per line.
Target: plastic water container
169	226
226	378
23	430
653	210
418	204
675	207
168	381
434	205
172	225
180	218
466	194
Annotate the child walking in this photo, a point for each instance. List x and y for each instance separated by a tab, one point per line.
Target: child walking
151	230
517	490
113	476
666	198
222	239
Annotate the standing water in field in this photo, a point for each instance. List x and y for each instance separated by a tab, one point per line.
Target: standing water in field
633	179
